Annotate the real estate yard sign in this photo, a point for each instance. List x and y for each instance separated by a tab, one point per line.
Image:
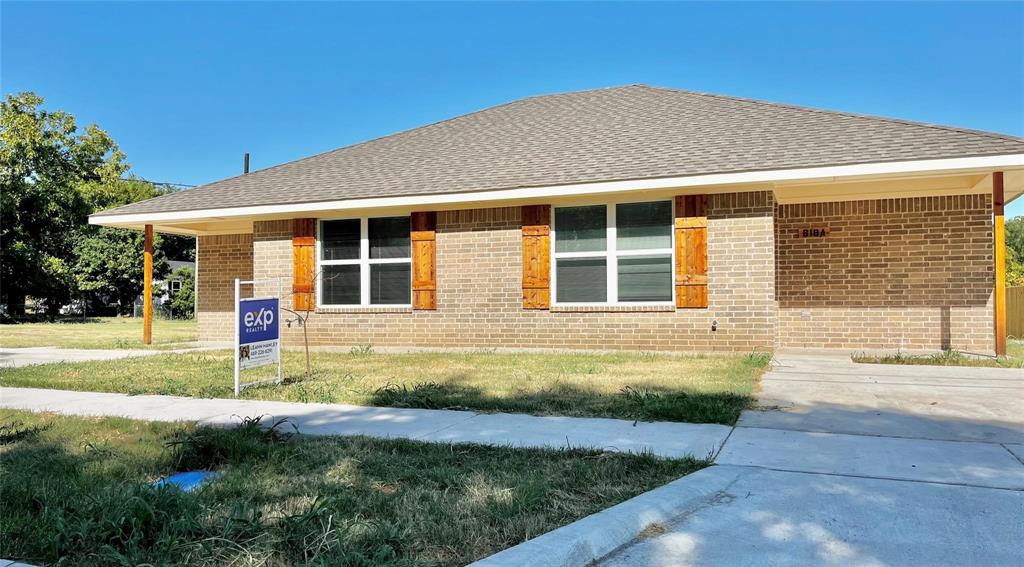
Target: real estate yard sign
257	333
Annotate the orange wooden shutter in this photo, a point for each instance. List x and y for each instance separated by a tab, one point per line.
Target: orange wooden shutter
691	251
537	257
304	256
424	260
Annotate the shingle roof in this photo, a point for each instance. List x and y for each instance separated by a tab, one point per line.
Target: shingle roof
631	132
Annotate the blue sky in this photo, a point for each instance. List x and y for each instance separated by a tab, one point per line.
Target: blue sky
186	88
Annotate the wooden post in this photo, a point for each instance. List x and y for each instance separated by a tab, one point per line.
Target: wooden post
999	231
147	287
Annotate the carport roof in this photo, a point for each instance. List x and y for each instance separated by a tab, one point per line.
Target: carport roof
633	132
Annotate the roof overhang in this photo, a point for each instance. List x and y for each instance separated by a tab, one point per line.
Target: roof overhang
842	182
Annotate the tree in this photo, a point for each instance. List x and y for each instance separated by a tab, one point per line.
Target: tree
101	196
1015	236
1015	252
43	159
109	264
183	302
53	176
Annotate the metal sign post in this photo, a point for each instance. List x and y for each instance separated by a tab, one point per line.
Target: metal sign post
257	332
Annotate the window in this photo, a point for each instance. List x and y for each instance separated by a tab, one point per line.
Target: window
619	253
364	262
175	286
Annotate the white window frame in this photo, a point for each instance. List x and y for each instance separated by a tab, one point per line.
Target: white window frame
611	253
364	262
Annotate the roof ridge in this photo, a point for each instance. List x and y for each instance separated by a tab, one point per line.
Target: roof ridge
996	135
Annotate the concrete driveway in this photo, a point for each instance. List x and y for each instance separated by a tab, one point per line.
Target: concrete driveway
854	464
834	395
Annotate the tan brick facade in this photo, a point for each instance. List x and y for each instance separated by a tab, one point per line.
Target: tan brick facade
479	281
912	273
220	260
906	273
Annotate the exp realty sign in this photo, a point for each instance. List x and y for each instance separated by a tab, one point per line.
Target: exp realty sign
258	332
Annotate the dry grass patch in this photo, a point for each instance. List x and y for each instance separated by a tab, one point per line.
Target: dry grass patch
701	389
97	333
77	489
1013	359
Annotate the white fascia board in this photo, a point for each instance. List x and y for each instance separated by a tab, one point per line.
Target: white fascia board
552	191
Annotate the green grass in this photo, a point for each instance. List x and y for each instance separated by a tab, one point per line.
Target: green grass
1014	358
700	389
77	490
97	333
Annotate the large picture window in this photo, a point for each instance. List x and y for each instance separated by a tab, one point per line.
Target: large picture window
364	261
613	254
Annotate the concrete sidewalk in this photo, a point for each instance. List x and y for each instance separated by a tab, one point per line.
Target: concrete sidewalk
763	517
19	357
660	438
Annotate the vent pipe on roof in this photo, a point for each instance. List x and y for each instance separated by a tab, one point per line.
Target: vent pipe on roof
245	164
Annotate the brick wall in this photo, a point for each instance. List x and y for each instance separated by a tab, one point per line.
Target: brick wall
479	279
911	273
220	259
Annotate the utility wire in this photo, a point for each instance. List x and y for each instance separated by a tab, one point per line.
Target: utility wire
159	182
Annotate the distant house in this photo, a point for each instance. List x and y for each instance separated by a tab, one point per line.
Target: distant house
633	218
172	282
169	286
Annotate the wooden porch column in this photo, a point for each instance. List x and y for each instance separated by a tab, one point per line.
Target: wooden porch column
147	287
999	232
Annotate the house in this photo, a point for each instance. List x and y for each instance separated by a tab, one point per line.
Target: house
166	288
634	217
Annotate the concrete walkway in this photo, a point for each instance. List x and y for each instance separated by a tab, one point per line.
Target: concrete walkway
660	438
18	357
771	518
855	465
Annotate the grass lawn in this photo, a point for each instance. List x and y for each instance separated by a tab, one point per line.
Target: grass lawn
77	489
700	389
97	332
1014	358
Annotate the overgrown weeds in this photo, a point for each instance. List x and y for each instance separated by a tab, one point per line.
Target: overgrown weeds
651	405
207	448
427	395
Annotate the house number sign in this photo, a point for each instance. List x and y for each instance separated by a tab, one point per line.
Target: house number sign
813	232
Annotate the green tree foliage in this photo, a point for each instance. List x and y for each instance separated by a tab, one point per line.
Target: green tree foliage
1015	236
110	265
53	176
43	158
1015	252
183	302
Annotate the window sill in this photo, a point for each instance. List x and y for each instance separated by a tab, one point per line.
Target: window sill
612	308
366	309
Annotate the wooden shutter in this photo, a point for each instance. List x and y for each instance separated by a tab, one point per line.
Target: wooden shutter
304	266
424	260
537	257
691	251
